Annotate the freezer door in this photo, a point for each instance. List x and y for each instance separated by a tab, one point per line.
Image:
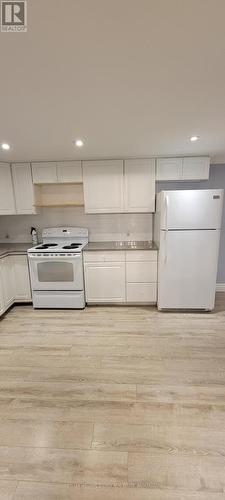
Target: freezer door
188	269
191	209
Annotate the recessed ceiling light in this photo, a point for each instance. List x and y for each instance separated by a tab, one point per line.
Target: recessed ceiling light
5	146
194	138
79	143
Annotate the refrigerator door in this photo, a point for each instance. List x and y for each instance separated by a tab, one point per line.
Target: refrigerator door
187	269
194	209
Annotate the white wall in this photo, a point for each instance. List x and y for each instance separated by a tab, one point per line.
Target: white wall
102	227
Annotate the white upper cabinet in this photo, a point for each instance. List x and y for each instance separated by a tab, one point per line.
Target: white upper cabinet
62	172
111	187
196	168
16	189
44	172
23	188
182	169
103	186
139	185
69	171
169	169
7	203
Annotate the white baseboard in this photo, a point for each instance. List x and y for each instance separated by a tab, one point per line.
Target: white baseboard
220	287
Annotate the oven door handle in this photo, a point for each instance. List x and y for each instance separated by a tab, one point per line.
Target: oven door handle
58	257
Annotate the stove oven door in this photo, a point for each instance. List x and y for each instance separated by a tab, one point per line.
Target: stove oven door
56	272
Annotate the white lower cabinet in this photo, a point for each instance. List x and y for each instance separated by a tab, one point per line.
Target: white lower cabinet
8	281
105	282
1	295
120	276
22	278
14	281
141	276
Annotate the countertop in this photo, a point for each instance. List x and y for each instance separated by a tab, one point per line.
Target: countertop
120	245
21	248
14	248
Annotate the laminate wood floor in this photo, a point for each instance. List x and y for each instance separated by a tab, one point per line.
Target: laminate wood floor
112	403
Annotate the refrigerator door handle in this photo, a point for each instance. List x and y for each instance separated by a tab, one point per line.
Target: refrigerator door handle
166	212
165	247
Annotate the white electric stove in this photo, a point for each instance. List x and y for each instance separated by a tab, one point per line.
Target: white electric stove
56	268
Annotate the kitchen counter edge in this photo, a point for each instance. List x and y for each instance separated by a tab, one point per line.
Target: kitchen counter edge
13	249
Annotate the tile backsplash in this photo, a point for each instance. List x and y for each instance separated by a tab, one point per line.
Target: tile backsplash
102	227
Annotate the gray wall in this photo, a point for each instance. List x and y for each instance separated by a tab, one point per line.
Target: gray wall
216	180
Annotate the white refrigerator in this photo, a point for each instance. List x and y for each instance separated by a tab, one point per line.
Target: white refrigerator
187	230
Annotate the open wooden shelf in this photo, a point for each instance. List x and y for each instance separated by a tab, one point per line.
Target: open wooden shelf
58	183
59	205
59	195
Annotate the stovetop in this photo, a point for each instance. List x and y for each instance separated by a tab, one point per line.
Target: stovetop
62	240
67	247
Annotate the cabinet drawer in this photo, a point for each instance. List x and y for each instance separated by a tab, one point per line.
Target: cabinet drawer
109	256
141	272
142	255
141	292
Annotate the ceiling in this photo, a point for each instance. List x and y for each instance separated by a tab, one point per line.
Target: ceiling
129	77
